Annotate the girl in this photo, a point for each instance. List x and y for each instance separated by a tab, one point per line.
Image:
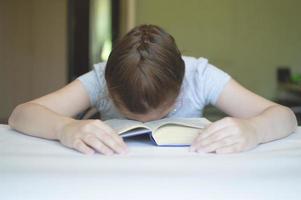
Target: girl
146	78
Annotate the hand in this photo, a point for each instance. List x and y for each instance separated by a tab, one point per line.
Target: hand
88	136
228	135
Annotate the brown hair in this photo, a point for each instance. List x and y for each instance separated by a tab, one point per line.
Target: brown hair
144	70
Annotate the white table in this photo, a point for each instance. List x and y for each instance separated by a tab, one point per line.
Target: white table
37	169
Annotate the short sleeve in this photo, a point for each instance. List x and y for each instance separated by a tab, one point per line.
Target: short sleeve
209	82
94	83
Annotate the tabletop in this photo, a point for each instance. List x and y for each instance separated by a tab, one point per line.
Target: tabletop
34	168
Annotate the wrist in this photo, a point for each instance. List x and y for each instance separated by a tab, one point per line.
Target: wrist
258	132
59	129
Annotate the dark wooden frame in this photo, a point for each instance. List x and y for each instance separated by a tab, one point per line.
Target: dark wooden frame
78	35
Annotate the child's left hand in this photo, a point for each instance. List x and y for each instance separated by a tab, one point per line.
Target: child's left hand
228	135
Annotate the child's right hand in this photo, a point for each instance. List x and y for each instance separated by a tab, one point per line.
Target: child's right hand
88	136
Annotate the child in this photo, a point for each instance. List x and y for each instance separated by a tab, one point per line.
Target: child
146	78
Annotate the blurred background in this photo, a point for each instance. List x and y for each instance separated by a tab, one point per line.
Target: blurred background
46	44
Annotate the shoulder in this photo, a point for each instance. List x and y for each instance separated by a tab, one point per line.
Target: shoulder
193	61
200	68
99	70
194	67
94	82
205	80
95	75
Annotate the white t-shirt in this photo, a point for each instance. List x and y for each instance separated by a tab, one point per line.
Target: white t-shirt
202	85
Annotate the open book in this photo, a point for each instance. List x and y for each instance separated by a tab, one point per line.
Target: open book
164	132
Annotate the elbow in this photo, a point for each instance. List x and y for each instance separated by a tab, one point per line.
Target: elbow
292	118
16	115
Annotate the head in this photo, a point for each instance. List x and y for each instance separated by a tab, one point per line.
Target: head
144	73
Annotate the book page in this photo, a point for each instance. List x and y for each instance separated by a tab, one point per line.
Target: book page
123	125
175	135
189	122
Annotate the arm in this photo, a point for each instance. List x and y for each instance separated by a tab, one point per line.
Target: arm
253	120
50	117
44	117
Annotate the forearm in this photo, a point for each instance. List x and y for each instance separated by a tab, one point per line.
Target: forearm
273	123
37	120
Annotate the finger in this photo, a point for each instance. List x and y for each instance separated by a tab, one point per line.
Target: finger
228	141
97	145
215	136
119	140
216	126
112	132
81	147
108	139
212	128
110	142
229	149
